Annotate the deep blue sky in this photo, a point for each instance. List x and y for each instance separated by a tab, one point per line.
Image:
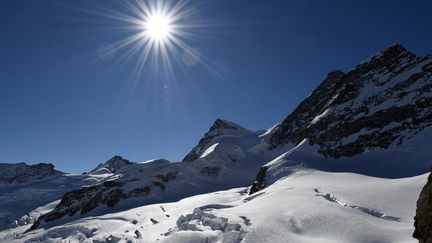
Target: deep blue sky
61	103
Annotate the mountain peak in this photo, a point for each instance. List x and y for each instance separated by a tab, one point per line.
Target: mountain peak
112	165
220	127
391	54
394	48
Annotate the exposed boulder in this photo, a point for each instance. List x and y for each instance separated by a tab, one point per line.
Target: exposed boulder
259	183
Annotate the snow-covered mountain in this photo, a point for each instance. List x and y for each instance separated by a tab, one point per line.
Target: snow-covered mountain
227	156
383	101
374	120
309	176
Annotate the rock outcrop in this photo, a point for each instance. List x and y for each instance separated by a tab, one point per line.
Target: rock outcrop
423	218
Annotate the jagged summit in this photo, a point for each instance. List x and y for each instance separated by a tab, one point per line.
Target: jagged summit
22	172
112	165
220	127
346	114
389	57
393	50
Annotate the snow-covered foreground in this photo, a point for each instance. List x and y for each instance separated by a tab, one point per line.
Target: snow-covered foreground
306	206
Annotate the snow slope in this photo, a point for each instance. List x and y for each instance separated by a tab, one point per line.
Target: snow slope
306	206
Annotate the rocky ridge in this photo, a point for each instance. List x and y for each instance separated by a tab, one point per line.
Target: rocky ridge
380	102
21	172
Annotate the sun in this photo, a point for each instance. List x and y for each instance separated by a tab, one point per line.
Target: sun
160	36
158	27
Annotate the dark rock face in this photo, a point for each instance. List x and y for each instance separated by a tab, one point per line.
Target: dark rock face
259	183
19	173
423	218
218	128
380	102
290	129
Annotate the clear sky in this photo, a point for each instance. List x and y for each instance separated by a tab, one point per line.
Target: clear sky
64	100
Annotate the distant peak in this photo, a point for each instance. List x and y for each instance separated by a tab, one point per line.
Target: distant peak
112	165
116	157
220	127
